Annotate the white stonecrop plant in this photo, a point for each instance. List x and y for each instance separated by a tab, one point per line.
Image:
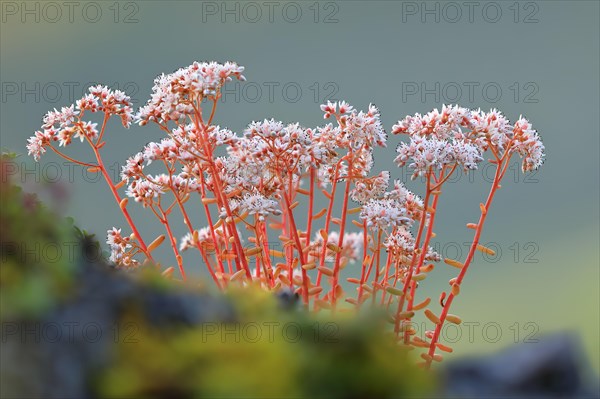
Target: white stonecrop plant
249	187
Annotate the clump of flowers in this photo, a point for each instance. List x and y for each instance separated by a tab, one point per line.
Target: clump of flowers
250	187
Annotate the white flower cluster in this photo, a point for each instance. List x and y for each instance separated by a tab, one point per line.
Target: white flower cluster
270	153
529	145
256	204
364	128
382	209
358	131
145	188
370	188
402	244
144	191
400	193
436	141
203	238
458	136
359	128
119	248
400	240
288	149
384	213
443	125
490	128
66	124
425	153
351	247
173	95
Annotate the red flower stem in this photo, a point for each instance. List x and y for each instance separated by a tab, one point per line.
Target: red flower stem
413	262
443	178
364	265
424	249
113	188
439	182
371	263
117	197
211	227
438	328
218	190
338	255
311	196
258	266
267	257
68	158
299	247
256	229
212	111
241	256
289	251
388	265
328	222
377	256
99	139
165	221
205	257
186	221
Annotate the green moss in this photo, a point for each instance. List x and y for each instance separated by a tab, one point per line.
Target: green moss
267	352
38	252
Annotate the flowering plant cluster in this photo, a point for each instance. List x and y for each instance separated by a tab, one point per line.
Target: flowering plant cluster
249	187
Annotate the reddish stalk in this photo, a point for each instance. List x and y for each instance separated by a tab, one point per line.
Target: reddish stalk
188	223
384	284
363	276
211	226
267	257
299	247
118	199
218	190
425	245
68	158
311	196
450	298
163	219
371	263
328	222
413	262
338	255
377	257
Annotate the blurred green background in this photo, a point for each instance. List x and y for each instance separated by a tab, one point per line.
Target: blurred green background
539	59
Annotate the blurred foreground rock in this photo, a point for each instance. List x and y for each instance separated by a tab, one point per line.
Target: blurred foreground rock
554	367
56	354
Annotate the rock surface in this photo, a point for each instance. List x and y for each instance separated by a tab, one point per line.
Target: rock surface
553	367
54	356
